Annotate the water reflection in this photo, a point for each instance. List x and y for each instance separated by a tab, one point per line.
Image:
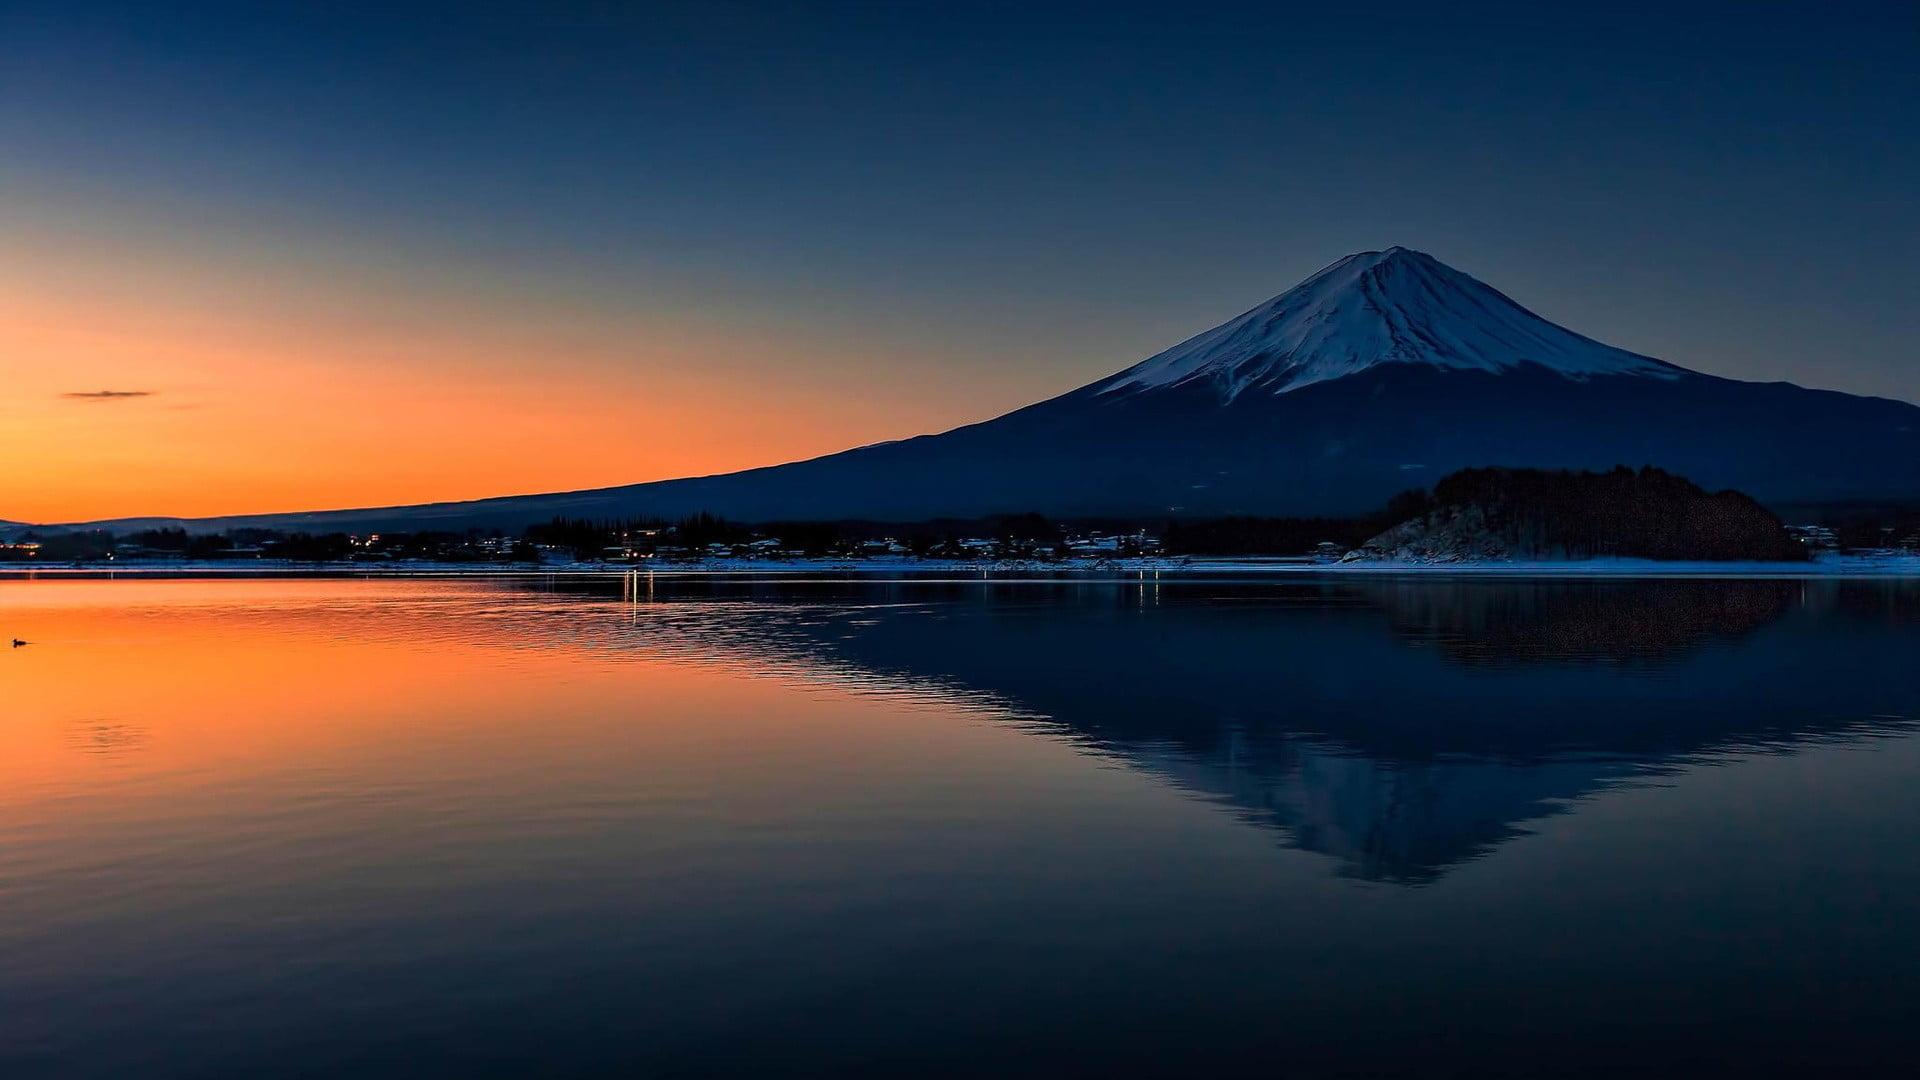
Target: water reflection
106	738
843	828
1570	622
1402	728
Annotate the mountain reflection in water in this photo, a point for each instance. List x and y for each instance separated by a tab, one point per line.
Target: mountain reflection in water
1401	727
747	826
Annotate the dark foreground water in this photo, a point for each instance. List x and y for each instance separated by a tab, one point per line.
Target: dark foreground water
416	828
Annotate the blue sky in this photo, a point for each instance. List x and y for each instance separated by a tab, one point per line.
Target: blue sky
983	204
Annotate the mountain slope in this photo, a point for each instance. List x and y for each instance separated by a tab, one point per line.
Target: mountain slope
1385	371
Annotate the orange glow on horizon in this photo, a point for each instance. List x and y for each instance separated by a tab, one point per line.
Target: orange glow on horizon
228	427
231	395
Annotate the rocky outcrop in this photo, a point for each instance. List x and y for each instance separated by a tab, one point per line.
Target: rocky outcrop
1451	534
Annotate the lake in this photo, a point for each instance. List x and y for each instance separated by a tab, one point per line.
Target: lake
705	825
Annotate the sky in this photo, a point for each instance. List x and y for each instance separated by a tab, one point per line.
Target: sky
260	258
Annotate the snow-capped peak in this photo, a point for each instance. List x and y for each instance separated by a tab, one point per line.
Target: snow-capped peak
1377	307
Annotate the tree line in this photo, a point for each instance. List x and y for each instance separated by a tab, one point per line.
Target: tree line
1646	512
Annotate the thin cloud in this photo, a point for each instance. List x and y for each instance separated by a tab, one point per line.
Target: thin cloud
106	395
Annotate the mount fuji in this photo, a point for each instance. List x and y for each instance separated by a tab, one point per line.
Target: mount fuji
1367	310
1384	371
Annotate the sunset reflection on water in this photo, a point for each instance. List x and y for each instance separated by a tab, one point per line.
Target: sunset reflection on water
561	822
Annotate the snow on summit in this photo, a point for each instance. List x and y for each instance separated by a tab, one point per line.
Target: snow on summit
1377	307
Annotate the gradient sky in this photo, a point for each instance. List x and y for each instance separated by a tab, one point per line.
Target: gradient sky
327	259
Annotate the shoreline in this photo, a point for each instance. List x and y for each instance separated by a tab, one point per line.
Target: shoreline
1902	566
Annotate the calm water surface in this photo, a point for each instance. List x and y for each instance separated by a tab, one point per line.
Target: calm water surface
471	827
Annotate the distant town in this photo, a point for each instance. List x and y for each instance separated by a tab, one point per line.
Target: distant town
699	540
1474	515
708	541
